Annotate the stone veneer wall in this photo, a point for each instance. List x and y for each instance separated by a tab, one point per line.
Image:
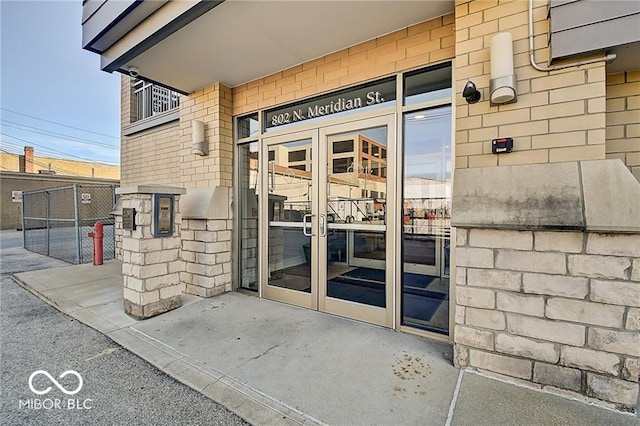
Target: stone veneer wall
150	265
560	309
206	252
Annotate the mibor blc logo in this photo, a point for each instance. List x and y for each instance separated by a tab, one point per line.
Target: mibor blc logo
55	382
55	403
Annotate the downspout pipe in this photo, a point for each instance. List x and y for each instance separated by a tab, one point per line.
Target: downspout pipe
608	58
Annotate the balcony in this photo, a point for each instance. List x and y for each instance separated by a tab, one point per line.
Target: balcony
152	100
152	105
234	42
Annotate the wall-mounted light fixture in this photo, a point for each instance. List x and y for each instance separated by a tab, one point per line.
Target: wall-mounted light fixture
470	93
502	85
199	145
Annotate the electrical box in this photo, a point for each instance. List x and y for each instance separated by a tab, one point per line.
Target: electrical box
163	215
498	146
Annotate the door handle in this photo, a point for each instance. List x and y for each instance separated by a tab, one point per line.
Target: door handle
323	225
305	225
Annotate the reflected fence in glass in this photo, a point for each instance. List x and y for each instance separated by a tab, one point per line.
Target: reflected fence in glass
426	190
289	208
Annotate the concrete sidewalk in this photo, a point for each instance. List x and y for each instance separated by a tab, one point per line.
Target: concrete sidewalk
273	363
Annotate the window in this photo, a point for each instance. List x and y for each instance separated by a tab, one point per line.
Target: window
341	165
248	126
365	147
299	155
375	168
151	99
427	85
247	175
342	146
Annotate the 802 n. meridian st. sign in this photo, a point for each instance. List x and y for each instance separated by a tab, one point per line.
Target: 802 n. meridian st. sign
343	100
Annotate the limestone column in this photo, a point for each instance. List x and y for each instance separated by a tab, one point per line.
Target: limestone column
151	263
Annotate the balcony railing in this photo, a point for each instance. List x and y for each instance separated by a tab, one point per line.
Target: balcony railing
152	99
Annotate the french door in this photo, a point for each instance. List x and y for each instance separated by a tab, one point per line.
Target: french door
327	242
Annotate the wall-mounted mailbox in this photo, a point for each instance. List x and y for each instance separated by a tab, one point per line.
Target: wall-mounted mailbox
501	145
129	219
163	215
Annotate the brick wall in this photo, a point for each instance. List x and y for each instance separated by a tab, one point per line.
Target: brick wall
559	116
212	105
623	119
560	309
425	43
127	101
148	156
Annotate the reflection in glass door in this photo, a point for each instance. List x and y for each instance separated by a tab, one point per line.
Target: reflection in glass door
353	213
289	216
426	219
326	240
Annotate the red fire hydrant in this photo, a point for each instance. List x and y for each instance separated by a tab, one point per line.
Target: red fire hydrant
97	235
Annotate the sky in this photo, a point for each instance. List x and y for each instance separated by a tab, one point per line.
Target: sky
53	95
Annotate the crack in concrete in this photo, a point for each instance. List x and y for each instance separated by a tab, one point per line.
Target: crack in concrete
262	354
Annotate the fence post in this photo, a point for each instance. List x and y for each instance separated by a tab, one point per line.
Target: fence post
24	233
113	233
77	224
48	221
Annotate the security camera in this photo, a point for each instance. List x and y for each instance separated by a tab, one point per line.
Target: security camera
133	72
470	93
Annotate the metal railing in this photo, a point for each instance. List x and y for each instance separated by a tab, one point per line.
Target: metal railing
152	99
56	221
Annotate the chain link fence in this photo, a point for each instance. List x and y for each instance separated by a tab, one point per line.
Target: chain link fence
56	221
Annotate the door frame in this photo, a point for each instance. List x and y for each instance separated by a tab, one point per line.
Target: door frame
317	299
294	297
371	314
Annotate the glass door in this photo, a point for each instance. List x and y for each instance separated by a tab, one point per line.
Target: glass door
289	248
354	241
327	242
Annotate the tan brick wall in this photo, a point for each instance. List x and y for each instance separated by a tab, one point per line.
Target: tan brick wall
623	119
425	43
148	156
564	314
559	115
151	156
212	105
127	101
